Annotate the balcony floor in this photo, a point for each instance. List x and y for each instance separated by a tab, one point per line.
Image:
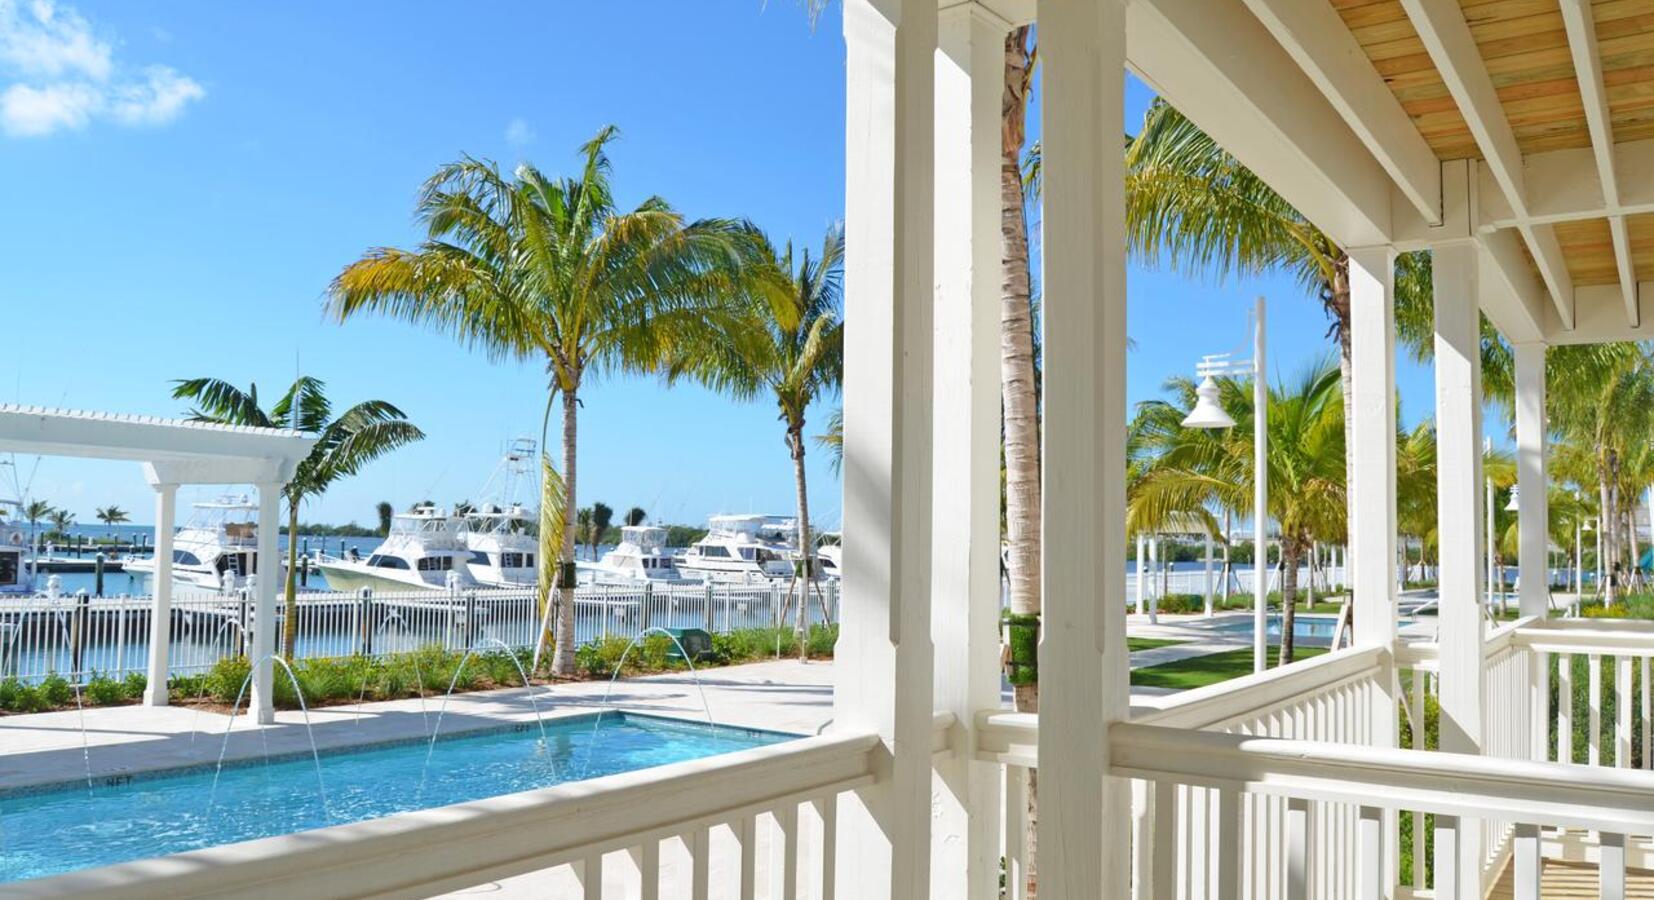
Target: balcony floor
1573	879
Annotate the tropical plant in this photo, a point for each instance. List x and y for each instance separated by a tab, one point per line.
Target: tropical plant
112	516
635	516
787	346
602	517
1176	473
34	512
61	520
386	512
529	267
344	445
583	525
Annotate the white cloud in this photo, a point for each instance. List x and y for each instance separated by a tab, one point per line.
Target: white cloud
518	133
56	74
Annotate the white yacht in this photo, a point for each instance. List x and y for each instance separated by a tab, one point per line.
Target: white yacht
423	550
501	535
641	556
14	541
742	548
215	549
830	551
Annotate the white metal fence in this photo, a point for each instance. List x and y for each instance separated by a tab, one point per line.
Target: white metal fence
81	637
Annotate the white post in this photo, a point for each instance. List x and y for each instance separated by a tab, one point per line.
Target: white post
1209	591
1491	539
1156	568
1084	815
1140	570
964	857
884	680
1372	527
262	705
160	622
1458	516
1260	494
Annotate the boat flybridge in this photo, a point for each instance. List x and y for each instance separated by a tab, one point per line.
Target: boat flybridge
14	573
215	549
501	534
641	556
423	551
742	548
830	551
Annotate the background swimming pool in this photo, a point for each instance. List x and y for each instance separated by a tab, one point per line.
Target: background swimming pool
67	829
1308	629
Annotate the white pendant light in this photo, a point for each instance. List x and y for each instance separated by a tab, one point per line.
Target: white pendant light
1207	412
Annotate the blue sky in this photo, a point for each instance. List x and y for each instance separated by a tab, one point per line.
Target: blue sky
182	180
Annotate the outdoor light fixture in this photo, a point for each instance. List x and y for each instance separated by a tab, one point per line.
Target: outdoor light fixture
1209	414
1515	503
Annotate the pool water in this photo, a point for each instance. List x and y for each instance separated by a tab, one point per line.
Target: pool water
67	828
1304	628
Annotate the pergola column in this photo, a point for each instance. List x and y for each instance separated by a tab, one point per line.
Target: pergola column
1533	500
1372	501
1084	815
1458	363
883	679
264	601
160	616
965	560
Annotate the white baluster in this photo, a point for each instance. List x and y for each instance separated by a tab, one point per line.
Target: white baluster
1297	849
787	818
748	835
1446	860
1016	833
700	862
1228	844
1525	866
1622	712
1593	698
1611	867
590	871
827	808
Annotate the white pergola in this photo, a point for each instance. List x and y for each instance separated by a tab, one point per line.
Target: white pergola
173	453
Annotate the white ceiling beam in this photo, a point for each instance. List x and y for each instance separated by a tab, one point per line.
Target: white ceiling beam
1601	316
1317	39
1513	299
1582	41
1441	27
1216	63
1566	186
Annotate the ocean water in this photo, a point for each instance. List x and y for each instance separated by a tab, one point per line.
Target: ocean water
126	818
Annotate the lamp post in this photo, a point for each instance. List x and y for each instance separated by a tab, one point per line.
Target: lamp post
1487	448
1209	414
1515	505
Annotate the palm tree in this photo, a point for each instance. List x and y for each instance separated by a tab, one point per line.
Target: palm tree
1177	472
635	516
788	347
528	267
33	512
386	512
112	516
602	517
583	525
61	520
344	444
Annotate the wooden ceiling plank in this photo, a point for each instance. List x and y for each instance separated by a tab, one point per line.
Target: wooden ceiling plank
1447	37
1316	38
1582	39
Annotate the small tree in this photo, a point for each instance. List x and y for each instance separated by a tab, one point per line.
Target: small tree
385	511
635	516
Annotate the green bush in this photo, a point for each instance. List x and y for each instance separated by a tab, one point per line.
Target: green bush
223	682
10	690
103	691
135	684
22	698
55	690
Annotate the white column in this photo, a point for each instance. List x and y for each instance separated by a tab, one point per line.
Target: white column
264	602
1209	591
1372	526
1459	514
1260	492
1533	500
1141	576
883	682
1157	567
970	68
160	622
1084	816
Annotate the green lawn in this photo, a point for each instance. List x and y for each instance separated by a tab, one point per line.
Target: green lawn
1134	644
1212	668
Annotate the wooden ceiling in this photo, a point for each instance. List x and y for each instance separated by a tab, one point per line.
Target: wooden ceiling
1525	48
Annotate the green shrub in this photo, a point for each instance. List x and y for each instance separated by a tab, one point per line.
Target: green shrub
10	690
55	690
28	700
102	691
223	682
135	684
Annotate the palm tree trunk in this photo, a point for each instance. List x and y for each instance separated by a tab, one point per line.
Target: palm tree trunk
1338	306
795	440
1019	393
1290	551
290	633
562	661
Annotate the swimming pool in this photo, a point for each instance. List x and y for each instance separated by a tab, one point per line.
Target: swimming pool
1309	629
65	828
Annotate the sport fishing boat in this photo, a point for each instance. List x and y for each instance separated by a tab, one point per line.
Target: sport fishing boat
830	552
215	549
742	548
641	556
14	573
423	551
501	534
